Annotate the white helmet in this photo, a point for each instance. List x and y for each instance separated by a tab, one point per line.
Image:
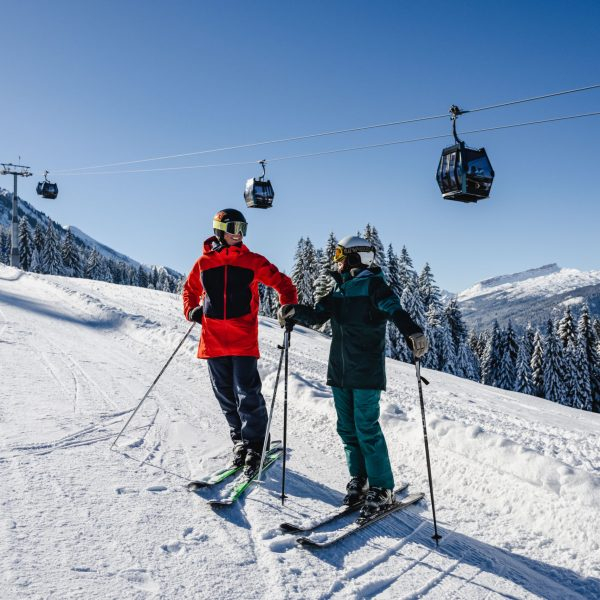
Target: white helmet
358	250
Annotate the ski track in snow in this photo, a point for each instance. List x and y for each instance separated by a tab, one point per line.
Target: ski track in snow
517	487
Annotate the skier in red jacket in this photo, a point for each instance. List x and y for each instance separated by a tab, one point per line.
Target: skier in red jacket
221	293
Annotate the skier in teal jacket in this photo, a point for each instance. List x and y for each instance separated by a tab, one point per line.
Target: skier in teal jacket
359	307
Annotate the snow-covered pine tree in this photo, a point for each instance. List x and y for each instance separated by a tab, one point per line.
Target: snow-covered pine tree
269	303
36	261
507	367
163	283
5	243
554	388
445	347
153	277
395	345
104	274
466	362
411	302
537	365
127	272
490	363
433	323
38	239
477	343
324	281
578	377
116	271
304	271
92	268
430	293
406	272
70	256
25	244
178	285
453	314
512	343
330	247
51	258
524	375
587	337
142	277
129	275
567	331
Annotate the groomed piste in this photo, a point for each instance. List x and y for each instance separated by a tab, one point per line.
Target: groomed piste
517	478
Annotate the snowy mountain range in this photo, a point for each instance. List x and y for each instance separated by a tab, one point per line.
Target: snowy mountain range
516	478
530	296
35	217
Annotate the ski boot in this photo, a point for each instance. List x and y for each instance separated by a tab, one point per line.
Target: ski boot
239	454
355	490
252	463
376	499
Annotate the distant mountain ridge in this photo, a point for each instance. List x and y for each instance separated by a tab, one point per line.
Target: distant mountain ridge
522	276
530	296
35	217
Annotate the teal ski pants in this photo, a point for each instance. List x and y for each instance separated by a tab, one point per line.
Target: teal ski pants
358	426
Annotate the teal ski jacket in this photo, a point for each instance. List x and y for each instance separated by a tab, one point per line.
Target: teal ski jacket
359	307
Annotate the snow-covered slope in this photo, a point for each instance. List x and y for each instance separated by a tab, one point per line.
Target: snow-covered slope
517	479
529	296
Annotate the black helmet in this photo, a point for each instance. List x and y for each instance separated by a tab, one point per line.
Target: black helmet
229	220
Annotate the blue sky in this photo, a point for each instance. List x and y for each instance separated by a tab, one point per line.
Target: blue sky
94	83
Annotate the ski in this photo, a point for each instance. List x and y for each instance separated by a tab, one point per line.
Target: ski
325	540
239	488
220	474
332	515
213	478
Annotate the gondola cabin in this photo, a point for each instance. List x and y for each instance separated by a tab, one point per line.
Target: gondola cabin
46	189
464	174
259	193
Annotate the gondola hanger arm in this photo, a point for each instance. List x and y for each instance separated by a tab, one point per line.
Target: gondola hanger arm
455	112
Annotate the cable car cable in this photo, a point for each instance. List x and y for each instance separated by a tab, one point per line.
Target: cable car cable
351	149
331	133
532	99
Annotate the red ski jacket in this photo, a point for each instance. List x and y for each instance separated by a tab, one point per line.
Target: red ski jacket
225	281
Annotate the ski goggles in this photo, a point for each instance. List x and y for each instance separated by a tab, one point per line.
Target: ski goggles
232	227
341	252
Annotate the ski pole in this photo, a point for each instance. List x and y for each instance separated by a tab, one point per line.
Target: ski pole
435	536
153	384
264	450
286	345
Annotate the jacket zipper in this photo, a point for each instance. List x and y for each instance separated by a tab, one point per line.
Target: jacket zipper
225	294
342	336
343	361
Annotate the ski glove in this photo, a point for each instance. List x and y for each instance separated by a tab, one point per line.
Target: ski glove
285	314
419	344
195	314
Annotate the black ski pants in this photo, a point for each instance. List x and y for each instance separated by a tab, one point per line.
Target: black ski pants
237	386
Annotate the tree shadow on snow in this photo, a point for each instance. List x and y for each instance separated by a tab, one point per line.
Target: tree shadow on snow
43	309
548	581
